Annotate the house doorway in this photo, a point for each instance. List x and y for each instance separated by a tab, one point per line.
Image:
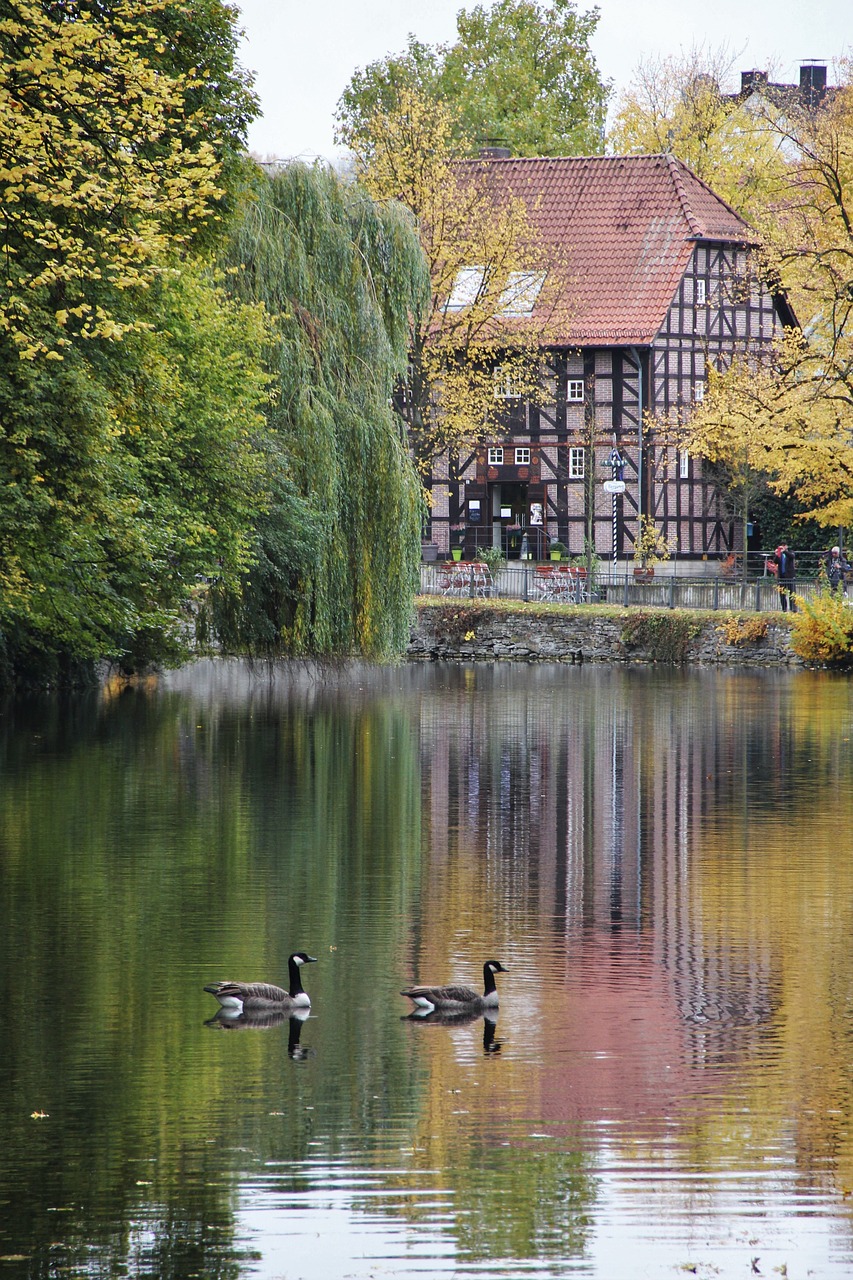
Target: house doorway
510	516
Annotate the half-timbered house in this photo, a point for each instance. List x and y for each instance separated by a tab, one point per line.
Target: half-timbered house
660	286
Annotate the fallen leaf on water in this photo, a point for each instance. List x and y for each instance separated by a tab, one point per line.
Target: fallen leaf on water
38	1115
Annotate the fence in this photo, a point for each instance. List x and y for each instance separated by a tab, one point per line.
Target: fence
529	581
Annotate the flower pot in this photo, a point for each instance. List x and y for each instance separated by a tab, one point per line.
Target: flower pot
456	553
556	555
644	572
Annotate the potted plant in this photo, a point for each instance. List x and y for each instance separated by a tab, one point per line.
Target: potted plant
650	548
493	557
457	534
557	550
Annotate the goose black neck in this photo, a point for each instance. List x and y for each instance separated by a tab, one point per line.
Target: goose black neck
296	988
488	980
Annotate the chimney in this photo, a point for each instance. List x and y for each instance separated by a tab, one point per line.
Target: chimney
812	83
495	153
751	80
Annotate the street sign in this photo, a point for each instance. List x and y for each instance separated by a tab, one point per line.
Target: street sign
614	486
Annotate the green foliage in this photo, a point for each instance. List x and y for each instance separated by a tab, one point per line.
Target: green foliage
129	473
822	628
339	549
493	557
520	74
665	636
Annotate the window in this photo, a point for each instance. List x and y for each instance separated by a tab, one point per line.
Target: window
496	457
507	383
701	293
466	288
522	457
684	464
577	463
574	389
699	392
520	293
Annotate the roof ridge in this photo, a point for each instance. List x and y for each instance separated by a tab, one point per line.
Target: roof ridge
681	167
674	167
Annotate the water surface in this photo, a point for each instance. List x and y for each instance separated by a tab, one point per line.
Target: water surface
662	861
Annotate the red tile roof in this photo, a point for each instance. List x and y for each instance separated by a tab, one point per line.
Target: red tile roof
629	225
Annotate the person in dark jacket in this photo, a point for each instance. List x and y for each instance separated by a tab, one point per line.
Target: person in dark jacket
835	566
786	572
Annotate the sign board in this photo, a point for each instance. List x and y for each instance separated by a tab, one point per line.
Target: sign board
614	486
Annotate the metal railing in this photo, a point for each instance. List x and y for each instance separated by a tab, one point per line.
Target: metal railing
530	581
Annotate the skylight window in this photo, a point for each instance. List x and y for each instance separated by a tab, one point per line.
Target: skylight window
520	294
466	287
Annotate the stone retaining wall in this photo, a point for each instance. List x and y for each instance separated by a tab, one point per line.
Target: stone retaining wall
481	631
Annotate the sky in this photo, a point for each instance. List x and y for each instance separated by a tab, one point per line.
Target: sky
303	52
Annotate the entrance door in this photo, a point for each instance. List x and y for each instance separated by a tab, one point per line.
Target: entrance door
508	503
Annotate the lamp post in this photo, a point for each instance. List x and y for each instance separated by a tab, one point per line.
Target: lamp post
615	485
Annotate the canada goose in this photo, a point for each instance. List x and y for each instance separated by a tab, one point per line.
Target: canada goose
263	995
458	998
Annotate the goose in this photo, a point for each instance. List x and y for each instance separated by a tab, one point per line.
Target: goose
240	996
452	998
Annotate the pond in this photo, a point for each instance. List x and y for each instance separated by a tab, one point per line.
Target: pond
661	861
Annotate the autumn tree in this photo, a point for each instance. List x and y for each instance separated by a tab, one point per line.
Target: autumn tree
494	294
679	106
791	414
130	386
520	74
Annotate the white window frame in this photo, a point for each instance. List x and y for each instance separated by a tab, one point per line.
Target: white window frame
577	462
574	390
699	393
506	383
684	465
496	455
522	456
701	291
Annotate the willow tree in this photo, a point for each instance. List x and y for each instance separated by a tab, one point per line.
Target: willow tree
337	554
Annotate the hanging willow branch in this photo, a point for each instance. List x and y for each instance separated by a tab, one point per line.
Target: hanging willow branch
338	553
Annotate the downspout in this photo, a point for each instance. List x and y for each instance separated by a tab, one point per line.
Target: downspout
635	356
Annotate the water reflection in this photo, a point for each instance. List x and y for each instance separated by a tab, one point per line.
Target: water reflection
660	860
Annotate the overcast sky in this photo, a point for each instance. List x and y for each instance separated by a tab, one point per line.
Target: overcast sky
303	52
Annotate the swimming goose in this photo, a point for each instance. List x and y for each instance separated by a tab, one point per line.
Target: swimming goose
263	995
459	998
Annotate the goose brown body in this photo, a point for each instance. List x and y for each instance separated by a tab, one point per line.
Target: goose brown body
265	995
458	997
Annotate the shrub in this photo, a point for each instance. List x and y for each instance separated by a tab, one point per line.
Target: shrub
743	629
665	636
455	622
493	557
822	629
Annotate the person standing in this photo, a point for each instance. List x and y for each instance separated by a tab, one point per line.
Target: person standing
786	572
835	566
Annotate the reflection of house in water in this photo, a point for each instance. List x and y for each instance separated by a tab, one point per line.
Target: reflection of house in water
584	803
